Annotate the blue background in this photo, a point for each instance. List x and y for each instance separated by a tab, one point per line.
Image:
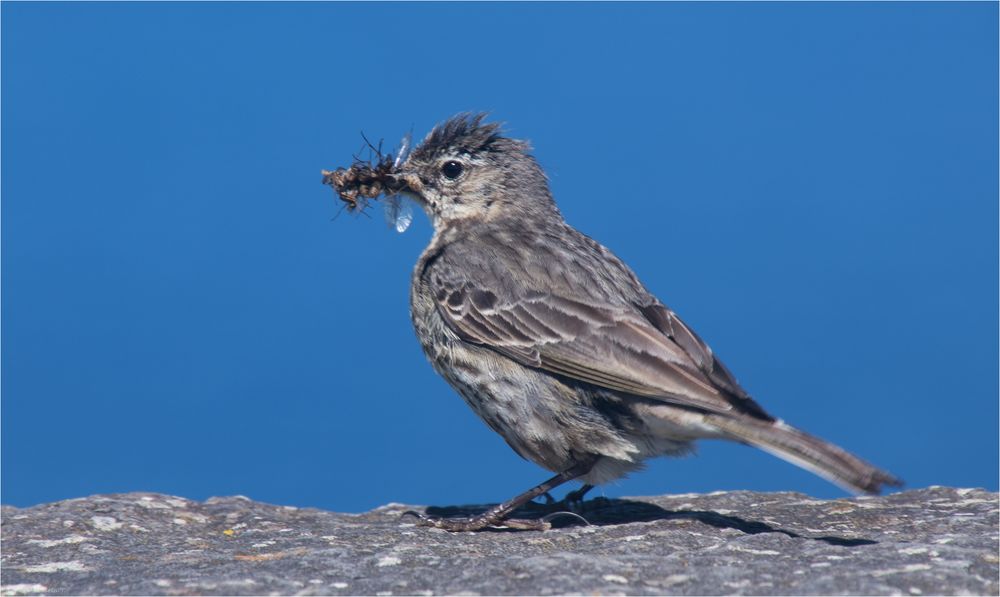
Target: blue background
813	187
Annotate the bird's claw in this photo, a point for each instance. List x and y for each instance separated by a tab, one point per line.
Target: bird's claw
548	517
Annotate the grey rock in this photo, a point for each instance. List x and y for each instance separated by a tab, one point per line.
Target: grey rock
928	541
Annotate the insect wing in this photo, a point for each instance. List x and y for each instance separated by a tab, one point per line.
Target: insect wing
405	217
398	212
404	150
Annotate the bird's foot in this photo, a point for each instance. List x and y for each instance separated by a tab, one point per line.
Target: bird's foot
576	497
477	523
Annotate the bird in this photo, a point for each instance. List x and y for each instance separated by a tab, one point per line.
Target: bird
554	342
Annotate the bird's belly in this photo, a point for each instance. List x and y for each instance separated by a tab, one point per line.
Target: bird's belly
549	422
512	401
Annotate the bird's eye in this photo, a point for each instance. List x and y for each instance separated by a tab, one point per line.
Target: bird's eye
452	170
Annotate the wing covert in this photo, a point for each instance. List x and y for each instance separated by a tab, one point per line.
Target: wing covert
614	348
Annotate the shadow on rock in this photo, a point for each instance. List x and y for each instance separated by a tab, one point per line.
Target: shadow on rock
603	512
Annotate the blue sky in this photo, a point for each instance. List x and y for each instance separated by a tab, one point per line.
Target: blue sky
813	187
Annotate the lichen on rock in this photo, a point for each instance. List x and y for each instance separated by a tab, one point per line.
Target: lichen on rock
928	541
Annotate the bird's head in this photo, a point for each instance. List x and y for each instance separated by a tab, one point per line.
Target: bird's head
465	169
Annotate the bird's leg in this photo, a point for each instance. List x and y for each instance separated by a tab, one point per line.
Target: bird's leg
571	499
576	496
497	515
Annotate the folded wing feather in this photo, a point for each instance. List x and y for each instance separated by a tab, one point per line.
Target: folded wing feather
652	355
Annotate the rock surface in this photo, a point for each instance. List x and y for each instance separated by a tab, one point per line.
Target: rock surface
928	541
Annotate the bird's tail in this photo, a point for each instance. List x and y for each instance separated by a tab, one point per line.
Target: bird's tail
811	453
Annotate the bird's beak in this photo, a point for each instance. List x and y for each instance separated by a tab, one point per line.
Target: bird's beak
405	183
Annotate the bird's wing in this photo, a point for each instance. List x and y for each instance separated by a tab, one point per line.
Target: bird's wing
607	346
667	322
